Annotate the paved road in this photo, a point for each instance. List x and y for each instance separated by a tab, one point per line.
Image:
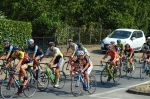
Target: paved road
109	91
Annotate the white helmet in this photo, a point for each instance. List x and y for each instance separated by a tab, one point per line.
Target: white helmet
30	41
79	53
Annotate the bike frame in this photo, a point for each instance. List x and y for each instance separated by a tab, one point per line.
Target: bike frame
50	75
80	78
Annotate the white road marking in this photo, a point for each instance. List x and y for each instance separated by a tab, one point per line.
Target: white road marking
96	95
109	98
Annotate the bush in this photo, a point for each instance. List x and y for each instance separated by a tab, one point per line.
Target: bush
16	31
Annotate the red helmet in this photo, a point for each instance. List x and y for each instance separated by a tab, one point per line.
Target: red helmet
110	46
127	45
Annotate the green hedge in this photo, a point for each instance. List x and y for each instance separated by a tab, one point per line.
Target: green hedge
16	31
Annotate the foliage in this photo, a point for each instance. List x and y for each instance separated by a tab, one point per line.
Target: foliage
17	32
48	16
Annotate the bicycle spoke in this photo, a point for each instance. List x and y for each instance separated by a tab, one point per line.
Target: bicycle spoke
8	88
75	86
92	84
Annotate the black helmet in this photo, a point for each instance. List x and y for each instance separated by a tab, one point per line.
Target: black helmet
6	41
51	44
80	45
146	47
16	48
118	41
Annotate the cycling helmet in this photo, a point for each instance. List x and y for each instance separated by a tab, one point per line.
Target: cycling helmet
79	53
70	40
112	42
80	45
127	45
146	47
118	41
6	41
15	48
110	46
30	41
51	44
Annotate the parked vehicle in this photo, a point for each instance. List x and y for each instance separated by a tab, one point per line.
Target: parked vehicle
135	38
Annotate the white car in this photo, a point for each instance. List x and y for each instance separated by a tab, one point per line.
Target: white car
135	38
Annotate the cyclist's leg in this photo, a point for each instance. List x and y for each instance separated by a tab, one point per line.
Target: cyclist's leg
36	60
23	70
87	73
57	71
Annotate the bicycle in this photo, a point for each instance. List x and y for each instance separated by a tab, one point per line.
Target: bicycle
9	86
107	74
78	81
126	67
47	77
66	68
144	71
3	69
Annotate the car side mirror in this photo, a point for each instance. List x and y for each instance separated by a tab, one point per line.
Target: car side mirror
133	38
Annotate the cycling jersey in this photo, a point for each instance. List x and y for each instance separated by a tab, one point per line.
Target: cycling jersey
73	47
55	52
84	50
112	54
148	44
19	56
35	49
129	51
120	45
59	56
8	49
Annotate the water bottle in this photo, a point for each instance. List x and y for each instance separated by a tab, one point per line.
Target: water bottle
18	82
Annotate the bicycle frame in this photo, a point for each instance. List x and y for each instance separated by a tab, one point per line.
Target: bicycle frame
107	66
50	75
80	78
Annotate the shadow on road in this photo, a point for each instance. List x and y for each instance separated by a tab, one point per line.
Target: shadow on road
97	51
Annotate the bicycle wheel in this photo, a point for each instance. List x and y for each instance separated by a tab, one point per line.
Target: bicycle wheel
8	88
117	75
104	76
142	73
92	85
62	80
65	68
30	88
75	85
132	70
43	81
124	69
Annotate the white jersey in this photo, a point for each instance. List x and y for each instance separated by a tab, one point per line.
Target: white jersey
85	51
55	52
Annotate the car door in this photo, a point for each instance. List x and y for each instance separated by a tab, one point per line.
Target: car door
140	39
133	40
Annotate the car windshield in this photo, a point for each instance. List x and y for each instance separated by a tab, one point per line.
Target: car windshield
120	34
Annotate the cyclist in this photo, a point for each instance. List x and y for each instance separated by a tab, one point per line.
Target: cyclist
148	42
74	48
130	53
146	52
114	57
80	47
23	59
120	46
115	47
85	64
56	59
8	49
37	55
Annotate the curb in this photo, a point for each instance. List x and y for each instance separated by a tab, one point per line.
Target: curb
137	92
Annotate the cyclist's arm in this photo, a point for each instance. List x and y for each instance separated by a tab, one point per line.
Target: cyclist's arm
35	51
9	52
67	49
9	62
19	63
86	66
131	54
